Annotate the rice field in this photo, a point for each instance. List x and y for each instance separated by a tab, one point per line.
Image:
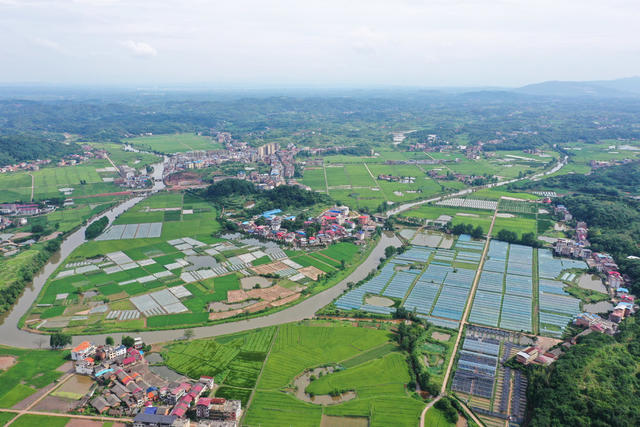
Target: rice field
373	369
174	143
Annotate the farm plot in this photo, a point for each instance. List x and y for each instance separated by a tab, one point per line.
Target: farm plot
378	377
469	203
31	370
233	360
517	206
421	288
174	143
486	308
516	313
477	367
518	224
337	176
314	178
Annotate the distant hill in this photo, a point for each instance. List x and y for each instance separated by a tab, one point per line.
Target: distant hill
619	88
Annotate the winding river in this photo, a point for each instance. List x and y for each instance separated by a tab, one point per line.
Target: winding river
11	335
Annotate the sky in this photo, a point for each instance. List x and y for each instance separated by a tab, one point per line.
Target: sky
308	43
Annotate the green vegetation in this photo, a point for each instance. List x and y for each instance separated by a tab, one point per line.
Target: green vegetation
34	369
234	360
174	143
594	383
437	418
32	420
96	228
16	272
22	147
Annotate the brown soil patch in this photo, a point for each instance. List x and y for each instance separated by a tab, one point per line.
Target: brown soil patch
286	300
237	295
224	314
65	367
6	362
442	337
51	236
258	306
270	294
21	235
270	268
184	179
334	421
252	281
55	404
311	272
75	422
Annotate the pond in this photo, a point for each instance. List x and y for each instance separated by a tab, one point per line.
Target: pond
301	382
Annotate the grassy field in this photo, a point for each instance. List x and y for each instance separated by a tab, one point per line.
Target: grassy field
121	157
34	369
83	178
374	368
31	420
436	418
235	360
174	143
518	224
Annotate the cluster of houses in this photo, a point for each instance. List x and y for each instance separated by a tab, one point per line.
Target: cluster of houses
400	179
538	356
281	161
562	212
20	209
335	224
88	152
124	387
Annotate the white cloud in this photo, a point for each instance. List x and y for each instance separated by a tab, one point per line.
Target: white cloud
49	44
140	48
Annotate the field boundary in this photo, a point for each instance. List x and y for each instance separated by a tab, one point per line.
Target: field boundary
255	387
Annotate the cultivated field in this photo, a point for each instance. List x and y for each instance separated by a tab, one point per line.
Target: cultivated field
174	143
31	371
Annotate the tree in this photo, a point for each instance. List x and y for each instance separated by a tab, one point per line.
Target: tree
389	251
95	228
446	406
507	236
109	341
128	341
477	232
188	334
59	340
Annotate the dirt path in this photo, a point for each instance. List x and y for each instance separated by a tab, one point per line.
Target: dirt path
326	183
39	399
111	161
33	180
463	322
78	417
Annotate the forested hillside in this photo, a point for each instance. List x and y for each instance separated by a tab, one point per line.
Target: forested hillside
597	383
23	147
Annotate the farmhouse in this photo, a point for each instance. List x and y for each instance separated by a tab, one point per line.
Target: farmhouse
83	350
596	323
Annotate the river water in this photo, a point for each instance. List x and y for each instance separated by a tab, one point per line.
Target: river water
9	332
11	335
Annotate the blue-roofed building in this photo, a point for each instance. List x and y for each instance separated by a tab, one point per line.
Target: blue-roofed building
270	214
